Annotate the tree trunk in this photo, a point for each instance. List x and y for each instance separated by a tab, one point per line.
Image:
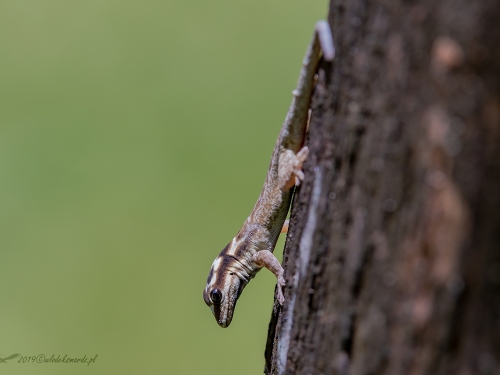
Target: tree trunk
393	256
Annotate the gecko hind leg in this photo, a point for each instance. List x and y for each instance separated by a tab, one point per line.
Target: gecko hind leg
284	229
290	168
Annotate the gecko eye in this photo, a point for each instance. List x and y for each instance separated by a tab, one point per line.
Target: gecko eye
216	296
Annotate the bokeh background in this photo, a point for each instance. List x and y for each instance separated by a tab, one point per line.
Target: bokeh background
134	140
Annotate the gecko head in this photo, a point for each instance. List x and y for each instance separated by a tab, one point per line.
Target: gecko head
224	286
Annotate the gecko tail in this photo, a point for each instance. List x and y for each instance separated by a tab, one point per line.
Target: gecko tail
325	40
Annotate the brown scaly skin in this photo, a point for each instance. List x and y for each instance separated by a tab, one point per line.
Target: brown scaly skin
252	248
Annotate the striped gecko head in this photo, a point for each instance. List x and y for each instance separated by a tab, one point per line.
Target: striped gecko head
225	282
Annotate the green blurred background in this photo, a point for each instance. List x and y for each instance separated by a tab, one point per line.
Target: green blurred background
134	140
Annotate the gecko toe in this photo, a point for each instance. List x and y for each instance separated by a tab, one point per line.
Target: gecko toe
281	297
299	174
302	154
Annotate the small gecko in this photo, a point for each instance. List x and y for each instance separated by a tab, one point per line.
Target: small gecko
252	248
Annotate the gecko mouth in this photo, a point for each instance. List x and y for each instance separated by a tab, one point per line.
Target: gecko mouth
224	312
223	318
224	324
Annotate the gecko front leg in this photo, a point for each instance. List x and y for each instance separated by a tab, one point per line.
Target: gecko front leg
265	258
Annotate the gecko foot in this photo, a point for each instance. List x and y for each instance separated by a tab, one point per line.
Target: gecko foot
290	168
280	286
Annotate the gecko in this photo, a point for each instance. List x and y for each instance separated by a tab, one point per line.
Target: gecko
252	247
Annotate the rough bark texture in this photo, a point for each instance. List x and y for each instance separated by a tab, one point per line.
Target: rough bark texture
393	256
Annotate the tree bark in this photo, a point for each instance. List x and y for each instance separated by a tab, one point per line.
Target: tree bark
393	256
